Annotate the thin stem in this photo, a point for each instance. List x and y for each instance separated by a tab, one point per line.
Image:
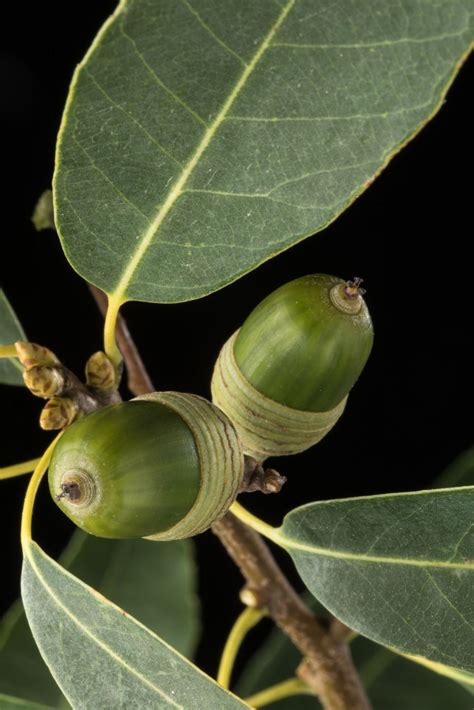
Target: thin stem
18	469
254	522
35	480
279	691
110	342
8	350
139	381
244	623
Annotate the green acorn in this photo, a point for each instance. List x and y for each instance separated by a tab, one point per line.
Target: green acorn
163	466
284	377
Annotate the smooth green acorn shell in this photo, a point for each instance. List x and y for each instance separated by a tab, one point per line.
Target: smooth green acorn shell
284	377
300	349
163	466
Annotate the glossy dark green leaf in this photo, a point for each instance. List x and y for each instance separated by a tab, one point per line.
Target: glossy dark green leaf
155	582
397	568
10	331
202	137
99	655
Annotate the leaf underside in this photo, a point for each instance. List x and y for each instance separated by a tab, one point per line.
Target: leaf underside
10	331
202	137
155	582
397	568
100	656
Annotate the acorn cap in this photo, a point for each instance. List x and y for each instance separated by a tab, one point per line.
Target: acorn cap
305	345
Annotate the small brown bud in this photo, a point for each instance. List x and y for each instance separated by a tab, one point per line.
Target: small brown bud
33	355
256	478
44	381
100	372
272	481
58	413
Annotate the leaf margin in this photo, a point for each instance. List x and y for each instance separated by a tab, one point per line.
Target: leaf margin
117	297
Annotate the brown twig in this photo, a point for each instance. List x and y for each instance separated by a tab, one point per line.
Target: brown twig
327	666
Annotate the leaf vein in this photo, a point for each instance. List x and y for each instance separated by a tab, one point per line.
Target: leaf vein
414	631
448	601
416	511
265	196
111	182
92	233
313	173
463	537
157	79
315	119
395	611
373	45
211	32
132	118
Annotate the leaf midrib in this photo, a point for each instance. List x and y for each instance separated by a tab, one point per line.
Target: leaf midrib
291	544
118	294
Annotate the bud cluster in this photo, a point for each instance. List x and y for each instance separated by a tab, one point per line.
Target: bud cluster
46	377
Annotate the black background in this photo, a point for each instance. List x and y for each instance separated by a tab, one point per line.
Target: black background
408	416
